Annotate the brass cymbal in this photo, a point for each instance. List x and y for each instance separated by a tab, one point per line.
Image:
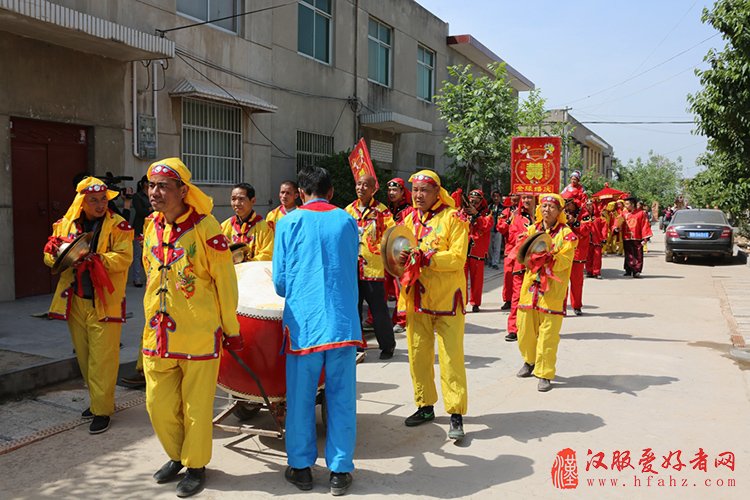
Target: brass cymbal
72	252
395	239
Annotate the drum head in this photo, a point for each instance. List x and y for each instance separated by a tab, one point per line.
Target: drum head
257	296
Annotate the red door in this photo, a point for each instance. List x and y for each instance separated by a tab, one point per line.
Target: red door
45	157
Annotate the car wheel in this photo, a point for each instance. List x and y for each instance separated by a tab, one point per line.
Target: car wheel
668	256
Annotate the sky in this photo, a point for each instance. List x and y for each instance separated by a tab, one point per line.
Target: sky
609	60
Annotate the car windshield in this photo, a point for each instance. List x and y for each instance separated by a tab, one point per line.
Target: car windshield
699	216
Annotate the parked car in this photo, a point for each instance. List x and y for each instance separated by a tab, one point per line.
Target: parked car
699	232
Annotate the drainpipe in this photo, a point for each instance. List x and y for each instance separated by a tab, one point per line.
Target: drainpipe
134	78
154	106
356	73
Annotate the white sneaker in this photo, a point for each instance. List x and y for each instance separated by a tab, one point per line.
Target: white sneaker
398	329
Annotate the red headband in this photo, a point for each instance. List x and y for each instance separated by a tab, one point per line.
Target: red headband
424	178
550	198
477	192
95	188
165	171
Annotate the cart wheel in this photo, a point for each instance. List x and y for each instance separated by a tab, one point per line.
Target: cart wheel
246	411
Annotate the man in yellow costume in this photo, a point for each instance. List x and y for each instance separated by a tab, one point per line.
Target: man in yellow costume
247	227
545	285
435	287
90	295
373	218
190	306
288	196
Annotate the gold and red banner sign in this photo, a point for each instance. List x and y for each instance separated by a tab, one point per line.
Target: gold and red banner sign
535	165
360	163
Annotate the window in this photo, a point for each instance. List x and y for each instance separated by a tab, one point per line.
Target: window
425	161
314	29
311	147
425	70
206	10
212	141
379	52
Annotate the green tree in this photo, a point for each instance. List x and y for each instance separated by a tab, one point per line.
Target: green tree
480	112
656	179
337	165
532	114
722	106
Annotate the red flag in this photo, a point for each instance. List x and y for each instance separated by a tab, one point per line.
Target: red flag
360	163
535	165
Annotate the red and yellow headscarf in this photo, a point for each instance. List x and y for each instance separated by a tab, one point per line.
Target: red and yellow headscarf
431	177
89	185
175	169
554	198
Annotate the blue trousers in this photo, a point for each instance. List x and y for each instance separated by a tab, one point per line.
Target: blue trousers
302	374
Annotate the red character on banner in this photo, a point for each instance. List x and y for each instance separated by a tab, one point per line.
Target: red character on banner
667	463
535	165
360	163
726	459
647	460
565	470
621	460
700	461
596	460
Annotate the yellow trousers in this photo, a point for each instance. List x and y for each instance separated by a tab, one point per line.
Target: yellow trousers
538	338
97	346
180	402
420	335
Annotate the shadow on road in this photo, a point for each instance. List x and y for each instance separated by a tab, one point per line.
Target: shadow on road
472	329
723	348
611	336
619	384
619	314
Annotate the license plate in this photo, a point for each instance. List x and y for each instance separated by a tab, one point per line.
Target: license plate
702	235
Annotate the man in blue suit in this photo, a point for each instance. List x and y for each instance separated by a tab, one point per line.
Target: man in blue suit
315	269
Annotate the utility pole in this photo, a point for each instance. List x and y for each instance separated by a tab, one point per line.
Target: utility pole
565	150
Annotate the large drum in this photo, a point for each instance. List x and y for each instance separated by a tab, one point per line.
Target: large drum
259	312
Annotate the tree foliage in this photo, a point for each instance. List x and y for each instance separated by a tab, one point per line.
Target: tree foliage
722	108
656	179
480	112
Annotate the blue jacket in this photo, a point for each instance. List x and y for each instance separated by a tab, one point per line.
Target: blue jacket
315	268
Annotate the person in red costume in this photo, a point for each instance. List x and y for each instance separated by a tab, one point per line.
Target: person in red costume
598	230
580	222
520	222
636	232
503	224
479	233
575	189
399	203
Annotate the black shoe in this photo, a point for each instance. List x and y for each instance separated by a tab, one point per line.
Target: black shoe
86	414
578	312
511	337
475	308
99	424
386	354
598	276
168	472
505	307
192	483
340	482
456	430
544	385
422	415
627	273
301	478
526	371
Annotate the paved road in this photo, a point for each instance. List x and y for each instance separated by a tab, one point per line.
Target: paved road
646	367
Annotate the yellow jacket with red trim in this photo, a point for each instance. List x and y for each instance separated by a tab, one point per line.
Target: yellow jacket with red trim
443	236
275	215
115	249
371	223
256	233
564	243
191	288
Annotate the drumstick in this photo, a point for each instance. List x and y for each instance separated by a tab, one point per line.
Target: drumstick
268	272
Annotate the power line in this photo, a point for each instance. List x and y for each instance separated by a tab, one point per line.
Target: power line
286	155
639	122
161	33
645	71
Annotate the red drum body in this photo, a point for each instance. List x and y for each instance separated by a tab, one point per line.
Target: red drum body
259	312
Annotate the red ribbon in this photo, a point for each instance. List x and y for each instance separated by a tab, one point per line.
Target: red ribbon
99	277
542	263
412	268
